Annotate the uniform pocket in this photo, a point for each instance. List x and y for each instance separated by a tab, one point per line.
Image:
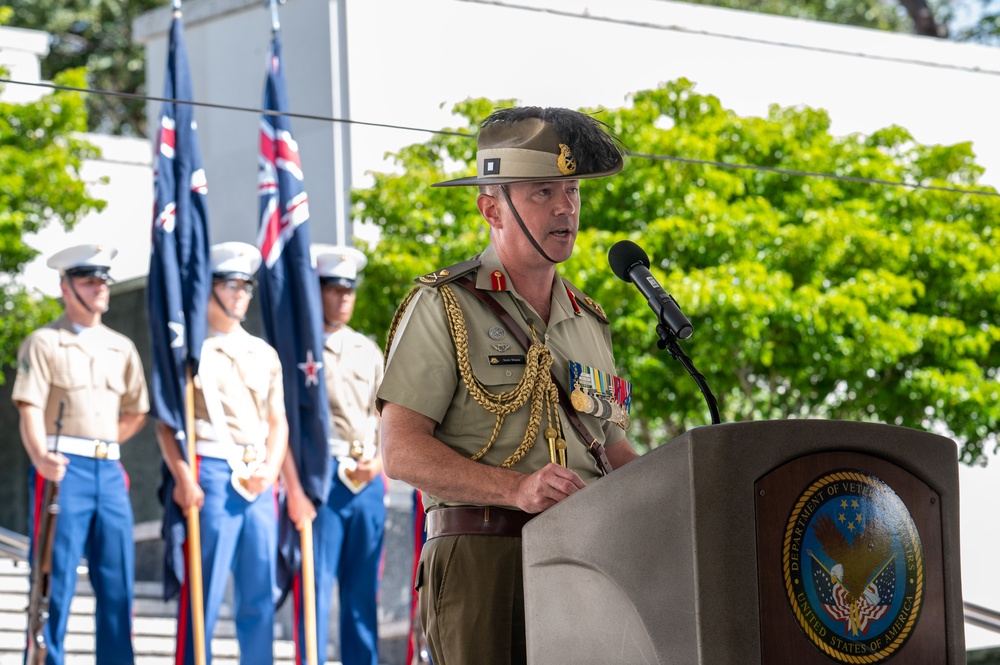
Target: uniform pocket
257	380
71	378
418	576
112	366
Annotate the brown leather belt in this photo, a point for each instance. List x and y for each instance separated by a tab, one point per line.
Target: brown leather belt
475	521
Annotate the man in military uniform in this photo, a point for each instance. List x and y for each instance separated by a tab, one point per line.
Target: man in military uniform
242	436
476	413
96	373
349	527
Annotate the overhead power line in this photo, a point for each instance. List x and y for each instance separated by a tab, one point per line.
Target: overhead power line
654	157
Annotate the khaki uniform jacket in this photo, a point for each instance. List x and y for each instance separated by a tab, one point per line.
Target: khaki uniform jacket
422	374
352	365
98	372
247	372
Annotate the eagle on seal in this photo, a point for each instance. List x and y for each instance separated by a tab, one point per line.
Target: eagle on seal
856	562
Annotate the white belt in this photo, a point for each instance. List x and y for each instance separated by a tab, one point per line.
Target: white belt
230	451
340	448
93	448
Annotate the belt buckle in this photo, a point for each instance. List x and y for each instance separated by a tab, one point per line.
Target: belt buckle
249	454
357	450
100	450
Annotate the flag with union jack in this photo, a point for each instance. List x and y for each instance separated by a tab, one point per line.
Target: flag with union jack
290	303
180	281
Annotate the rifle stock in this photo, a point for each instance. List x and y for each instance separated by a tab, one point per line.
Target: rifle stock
41	567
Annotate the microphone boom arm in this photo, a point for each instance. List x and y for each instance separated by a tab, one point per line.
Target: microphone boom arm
668	340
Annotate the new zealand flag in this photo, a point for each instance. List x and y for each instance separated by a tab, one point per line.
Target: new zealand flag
179	276
290	304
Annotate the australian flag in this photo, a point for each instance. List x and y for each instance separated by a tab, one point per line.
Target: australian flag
290	304
179	281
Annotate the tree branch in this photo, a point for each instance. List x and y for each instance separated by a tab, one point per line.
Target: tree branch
923	19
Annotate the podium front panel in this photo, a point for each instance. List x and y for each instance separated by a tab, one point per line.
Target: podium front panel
663	561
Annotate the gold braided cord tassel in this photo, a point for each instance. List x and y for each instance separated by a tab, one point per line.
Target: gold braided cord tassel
536	383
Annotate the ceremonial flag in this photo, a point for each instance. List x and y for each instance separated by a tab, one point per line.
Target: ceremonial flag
179	276
290	303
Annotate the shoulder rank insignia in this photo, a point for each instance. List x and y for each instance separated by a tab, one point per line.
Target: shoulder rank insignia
449	274
580	299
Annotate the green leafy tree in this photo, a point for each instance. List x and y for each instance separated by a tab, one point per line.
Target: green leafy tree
811	297
97	35
40	161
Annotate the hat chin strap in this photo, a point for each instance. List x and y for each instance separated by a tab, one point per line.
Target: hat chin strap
72	288
520	222
225	311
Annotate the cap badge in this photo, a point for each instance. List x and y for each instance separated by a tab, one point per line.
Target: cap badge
566	161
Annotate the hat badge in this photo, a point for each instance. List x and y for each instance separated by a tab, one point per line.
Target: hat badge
566	162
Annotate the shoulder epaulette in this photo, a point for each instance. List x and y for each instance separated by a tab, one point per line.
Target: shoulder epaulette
587	303
449	274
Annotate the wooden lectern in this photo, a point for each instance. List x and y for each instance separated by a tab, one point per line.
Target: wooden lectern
794	542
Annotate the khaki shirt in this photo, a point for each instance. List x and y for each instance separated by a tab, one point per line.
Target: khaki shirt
97	371
352	365
247	372
422	374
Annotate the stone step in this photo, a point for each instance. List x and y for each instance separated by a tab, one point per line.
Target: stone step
154	625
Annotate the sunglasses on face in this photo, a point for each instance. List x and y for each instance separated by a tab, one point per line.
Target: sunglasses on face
236	285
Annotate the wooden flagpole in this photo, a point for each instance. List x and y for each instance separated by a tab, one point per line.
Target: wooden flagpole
309	592
194	537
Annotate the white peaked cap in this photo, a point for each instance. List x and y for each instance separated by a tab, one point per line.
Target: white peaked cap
338	264
91	260
235	259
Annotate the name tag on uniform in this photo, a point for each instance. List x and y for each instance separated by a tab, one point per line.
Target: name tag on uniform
507	360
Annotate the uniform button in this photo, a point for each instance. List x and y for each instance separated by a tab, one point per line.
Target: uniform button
509	373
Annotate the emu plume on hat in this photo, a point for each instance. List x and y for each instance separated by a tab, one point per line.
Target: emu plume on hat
84	261
531	143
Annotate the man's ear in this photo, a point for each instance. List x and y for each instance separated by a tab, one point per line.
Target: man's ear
489	208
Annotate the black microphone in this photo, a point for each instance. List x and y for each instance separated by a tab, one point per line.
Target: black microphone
631	264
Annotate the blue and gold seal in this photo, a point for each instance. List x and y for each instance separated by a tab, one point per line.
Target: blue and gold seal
853	567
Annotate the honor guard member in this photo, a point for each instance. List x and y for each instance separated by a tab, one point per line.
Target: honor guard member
97	374
241	436
348	529
478	365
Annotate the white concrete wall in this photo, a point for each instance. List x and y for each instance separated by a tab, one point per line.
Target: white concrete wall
20	54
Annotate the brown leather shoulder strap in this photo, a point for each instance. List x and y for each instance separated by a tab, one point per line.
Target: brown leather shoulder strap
595	448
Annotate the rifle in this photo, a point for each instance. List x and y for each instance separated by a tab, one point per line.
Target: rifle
41	568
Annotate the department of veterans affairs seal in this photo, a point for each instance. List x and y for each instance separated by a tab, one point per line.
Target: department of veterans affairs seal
853	567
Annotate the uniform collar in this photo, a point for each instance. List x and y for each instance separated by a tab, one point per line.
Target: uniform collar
228	344
335	341
492	276
68	334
